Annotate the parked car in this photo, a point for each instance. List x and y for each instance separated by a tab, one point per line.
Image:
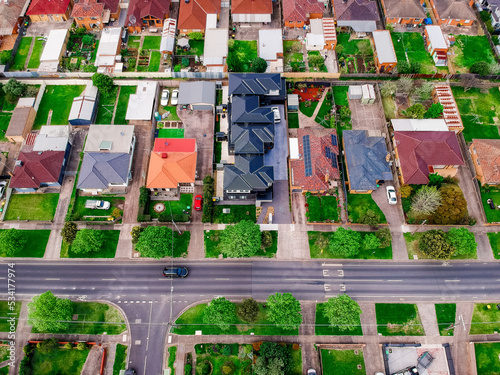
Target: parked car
311	372
175	97
174	272
165	94
130	371
277	117
99	205
391	195
198	201
3	186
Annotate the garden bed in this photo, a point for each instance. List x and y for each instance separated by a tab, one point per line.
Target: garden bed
212	240
316	62
323	327
41	206
355	55
398	319
359	204
324	113
343	361
322	209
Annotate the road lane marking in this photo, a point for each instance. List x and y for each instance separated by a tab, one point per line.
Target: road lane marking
222	278
395	281
452	281
341	273
108	279
54	279
342	287
325	273
331	265
327	287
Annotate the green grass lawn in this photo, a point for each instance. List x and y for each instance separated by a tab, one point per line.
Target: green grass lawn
58	99
170	133
308	111
61	361
492	216
236	214
351	47
36	242
181	244
134	41
293	55
413	44
197	48
154	61
412	248
123	98
359	204
108	248
212	240
495	244
6	312
174	207
151	42
324	110
218	151
487	358
484	320
22	53
293	120
106	107
318	247
243	51
322	209
120	359
398	319
192	320
323	327
340	95
173	113
172	351
445	313
41	206
342	362
79	210
471	49
479	112
4	124
36	53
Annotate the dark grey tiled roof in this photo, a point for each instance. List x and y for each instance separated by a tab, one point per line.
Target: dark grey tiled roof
99	170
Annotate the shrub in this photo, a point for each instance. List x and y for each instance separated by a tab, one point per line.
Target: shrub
453	208
81	346
405	191
267	239
384	235
68	346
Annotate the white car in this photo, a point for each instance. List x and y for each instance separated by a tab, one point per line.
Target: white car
165	94
277	117
391	195
175	97
311	372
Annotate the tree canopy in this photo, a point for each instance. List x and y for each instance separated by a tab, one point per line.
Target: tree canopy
220	312
462	240
241	240
248	310
284	310
273	359
259	65
48	313
103	82
155	242
434	244
11	241
69	232
346	242
453	208
426	200
88	240
342	312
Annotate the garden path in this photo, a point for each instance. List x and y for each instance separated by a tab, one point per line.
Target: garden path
115	106
33	40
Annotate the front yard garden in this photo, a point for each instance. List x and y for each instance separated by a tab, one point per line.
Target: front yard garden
57	100
321	209
6	312
398	319
166	211
324	328
358	205
57	361
487	358
33	241
41	206
240	55
108	249
410	47
236	213
485	319
340	362
123	98
468	50
493	193
293	56
212	241
495	244
354	55
22	53
445	313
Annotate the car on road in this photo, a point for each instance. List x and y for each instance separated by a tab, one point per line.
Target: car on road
198	201
391	195
311	372
3	186
277	117
130	371
174	272
165	94
175	97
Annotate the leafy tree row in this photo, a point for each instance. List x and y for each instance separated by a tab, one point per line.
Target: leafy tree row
349	243
438	244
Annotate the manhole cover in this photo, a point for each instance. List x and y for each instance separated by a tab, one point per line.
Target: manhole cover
159	207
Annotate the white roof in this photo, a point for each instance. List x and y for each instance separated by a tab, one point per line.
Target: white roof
293	99
294	148
315	39
416	125
168	35
270	44
54	45
26	102
316	26
215	46
91	91
384	46
108	45
52	138
211	21
82	108
140	104
120	137
436	36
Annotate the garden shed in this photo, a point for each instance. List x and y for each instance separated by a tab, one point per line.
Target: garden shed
84	108
20	124
293	102
168	36
385	55
108	51
55	46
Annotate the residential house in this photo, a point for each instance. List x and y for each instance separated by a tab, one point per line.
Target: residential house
442	94
436	44
48	11
54	49
297	13
271	49
140	105
452	12
419	154
359	15
10	17
251	11
21	122
313	161
172	166
84	108
385	55
366	160
108	52
485	154
193	14
216	50
493	7
114	8
199	96
107	163
89	14
315	40
146	14
269	87
404	12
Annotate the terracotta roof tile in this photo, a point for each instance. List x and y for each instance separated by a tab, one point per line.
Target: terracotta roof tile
142	8
88	8
251	7
296	10
41	7
37	168
488	155
193	15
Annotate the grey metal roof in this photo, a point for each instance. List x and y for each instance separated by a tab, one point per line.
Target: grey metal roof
246	109
99	170
200	92
120	137
248	173
82	108
255	83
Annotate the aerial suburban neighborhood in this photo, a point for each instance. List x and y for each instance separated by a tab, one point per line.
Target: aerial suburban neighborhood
266	187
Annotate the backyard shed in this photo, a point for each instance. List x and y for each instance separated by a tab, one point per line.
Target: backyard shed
385	55
293	102
20	124
108	51
368	94
55	46
315	40
84	108
140	104
198	95
355	92
168	36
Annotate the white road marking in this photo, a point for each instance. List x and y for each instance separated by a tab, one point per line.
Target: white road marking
54	279
325	273
331	265
222	278
395	281
452	281
108	279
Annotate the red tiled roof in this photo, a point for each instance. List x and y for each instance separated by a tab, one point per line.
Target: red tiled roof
88	8
37	168
193	15
251	7
41	7
419	150
319	139
112	5
296	10
488	156
143	8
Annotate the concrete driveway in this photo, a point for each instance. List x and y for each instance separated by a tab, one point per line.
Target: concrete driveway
367	116
280	203
278	155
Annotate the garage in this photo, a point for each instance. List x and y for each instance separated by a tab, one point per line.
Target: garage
198	96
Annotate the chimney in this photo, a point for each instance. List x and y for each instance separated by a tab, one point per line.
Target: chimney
163	155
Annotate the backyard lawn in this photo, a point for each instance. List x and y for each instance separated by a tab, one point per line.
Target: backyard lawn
468	50
487	358
60	361
398	319
293	120
492	216
323	327
413	44
106	107
151	42
170	133
41	206
340	95
495	244
293	55
177	209
154	61
212	240
323	116
319	248
445	313
120	359
342	362
6	312
322	209
240	54
236	214
192	320
123	98
22	53
79	210
173	112
485	320
108	248
308	107
134	41
413	249
359	204
4	124
36	242
197	47
36	53
58	99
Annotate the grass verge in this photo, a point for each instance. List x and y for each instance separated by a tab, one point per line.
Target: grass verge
495	244
36	242
485	320
120	359
445	313
6	312
323	327
172	351
398	319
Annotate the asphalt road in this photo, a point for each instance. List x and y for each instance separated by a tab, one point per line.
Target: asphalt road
145	295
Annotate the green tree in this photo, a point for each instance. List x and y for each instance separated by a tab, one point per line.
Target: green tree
371	242
370	218
195	35
12	241
155	242
271	351
272	366
339	49
346	242
48	313
434	111
48	345
384	235
88	240
240	240
259	65
267	239
69	232
405	191
453	208
426	200
220	312
136	234
14	88
388	88
433	243
284	310
480	67
208	204
462	240
365	50
425	90
104	83
342	312
415	111
248	310
68	346
435	180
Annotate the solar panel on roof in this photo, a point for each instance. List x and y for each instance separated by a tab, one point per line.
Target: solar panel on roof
307	156
328	153
334	139
334	163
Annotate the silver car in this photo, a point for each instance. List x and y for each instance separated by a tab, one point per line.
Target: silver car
165	94
175	97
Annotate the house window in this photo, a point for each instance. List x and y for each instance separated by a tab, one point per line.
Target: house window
242	196
80	18
231	196
93	18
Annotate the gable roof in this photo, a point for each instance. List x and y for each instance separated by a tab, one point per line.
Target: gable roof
41	7
22	118
9	15
256	84
112	5
199	92
296	10
365	159
355	10
248	173
100	169
142	8
251	139
454	9
87	8
37	168
193	15
251	7
246	109
488	156
419	150
384	47
403	9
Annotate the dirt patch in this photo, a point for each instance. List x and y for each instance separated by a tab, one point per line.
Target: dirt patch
361	65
